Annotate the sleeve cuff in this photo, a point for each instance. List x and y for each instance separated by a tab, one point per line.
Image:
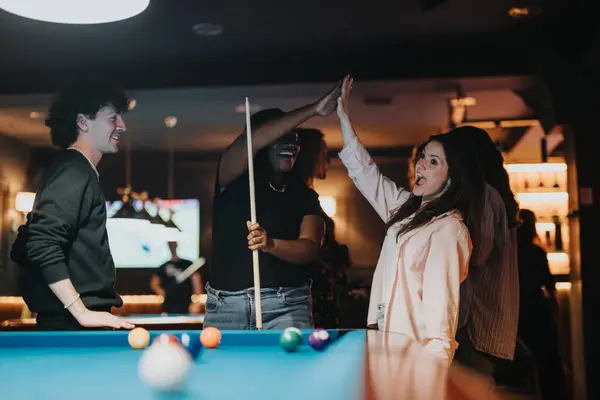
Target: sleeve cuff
55	272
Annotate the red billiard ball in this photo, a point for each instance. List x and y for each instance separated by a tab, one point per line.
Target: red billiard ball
166	338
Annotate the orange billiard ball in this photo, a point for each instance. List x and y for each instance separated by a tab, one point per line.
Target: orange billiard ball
138	338
166	338
210	337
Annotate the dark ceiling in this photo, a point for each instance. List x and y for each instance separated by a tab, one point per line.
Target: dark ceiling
267	41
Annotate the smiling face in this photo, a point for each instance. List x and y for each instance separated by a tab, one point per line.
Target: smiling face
104	131
431	172
283	153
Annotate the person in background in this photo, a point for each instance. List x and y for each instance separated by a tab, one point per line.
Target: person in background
66	269
328	271
489	308
538	311
425	254
177	295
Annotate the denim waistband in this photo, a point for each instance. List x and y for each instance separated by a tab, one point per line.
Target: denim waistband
251	291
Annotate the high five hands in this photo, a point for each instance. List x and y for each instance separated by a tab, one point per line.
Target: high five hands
326	105
343	109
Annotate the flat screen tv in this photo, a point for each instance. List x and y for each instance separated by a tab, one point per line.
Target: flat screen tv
139	246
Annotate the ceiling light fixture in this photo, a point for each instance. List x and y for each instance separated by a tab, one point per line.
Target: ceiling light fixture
518	12
170	122
75	11
207	29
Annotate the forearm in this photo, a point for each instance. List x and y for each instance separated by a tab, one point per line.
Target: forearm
299	251
155	286
235	159
382	193
66	293
348	132
197	284
158	290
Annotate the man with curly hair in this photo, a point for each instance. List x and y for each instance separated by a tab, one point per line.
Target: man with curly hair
67	273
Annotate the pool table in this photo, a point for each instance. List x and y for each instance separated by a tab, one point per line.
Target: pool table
249	365
147	321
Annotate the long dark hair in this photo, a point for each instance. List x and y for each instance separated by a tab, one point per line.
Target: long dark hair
477	142
464	193
311	143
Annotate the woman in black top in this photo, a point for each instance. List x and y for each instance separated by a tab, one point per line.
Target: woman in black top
288	234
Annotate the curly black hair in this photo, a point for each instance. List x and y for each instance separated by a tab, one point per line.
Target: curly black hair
86	96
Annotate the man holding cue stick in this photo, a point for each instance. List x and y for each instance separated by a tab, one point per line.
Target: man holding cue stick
283	236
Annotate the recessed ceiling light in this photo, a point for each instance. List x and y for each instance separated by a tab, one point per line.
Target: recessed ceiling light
207	29
75	11
170	121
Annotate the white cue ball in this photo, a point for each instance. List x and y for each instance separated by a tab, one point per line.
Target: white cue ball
164	366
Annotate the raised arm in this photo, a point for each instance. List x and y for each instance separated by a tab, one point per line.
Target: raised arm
382	193
234	160
446	267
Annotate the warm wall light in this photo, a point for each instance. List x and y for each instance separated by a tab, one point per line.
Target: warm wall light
545	226
537	167
328	205
559	263
24	202
543	197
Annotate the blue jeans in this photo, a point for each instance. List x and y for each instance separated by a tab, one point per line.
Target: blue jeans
281	308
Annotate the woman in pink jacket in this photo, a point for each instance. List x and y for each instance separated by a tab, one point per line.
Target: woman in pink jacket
429	236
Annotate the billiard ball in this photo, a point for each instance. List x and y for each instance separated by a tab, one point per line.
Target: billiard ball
319	339
138	338
164	367
290	339
210	337
297	332
191	344
165	338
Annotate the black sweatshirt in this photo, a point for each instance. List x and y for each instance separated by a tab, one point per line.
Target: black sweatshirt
65	237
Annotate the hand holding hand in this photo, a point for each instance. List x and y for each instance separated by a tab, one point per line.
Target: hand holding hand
258	238
327	104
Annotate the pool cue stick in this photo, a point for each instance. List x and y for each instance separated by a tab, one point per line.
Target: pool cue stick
257	297
189	271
